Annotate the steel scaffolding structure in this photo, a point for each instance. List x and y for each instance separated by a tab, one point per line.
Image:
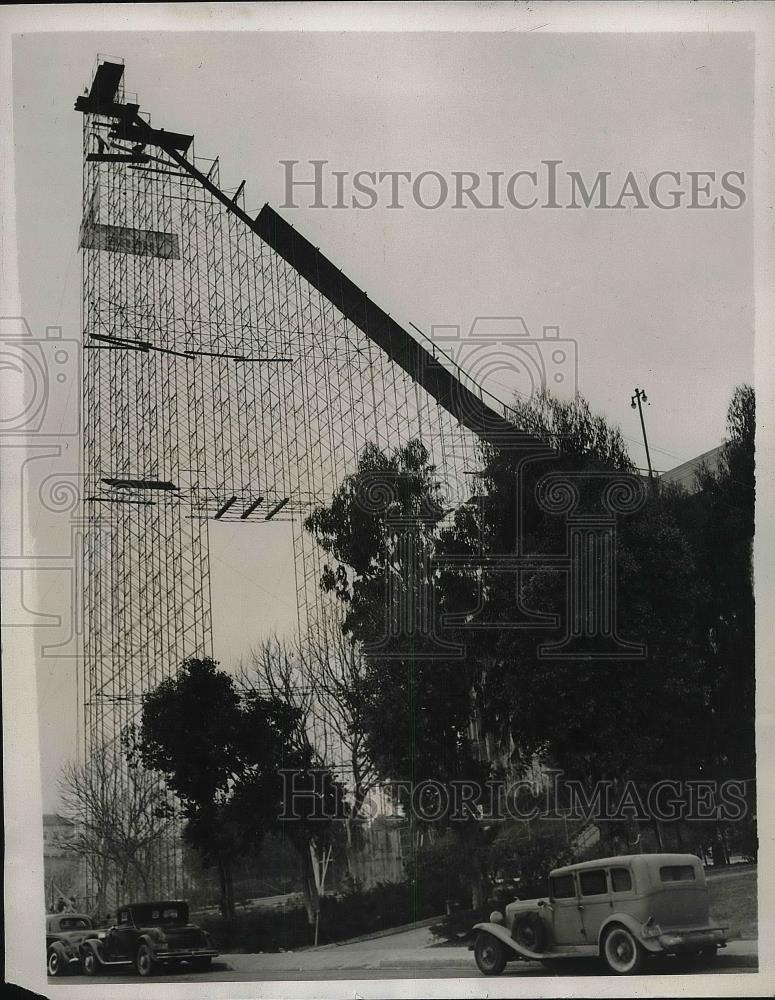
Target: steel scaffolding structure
233	373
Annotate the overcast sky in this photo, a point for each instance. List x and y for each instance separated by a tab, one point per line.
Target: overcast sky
661	299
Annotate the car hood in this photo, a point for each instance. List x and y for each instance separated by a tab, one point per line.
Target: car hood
523	905
75	937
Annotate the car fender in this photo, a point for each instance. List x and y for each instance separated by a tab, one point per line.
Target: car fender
634	926
153	943
93	944
61	949
499	931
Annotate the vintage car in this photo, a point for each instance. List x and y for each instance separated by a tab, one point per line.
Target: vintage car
64	934
620	909
148	936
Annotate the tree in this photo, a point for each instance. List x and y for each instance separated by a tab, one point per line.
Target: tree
121	819
399	683
683	589
300	675
187	734
222	752
323	675
608	719
719	520
302	802
671	714
427	701
721	523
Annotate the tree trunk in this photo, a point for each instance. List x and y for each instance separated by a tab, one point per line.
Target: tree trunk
142	876
101	877
227	889
471	842
477	891
309	885
720	849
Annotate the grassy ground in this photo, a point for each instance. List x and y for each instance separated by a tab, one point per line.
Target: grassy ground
733	901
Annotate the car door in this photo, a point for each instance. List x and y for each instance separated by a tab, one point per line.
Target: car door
566	918
118	942
594	901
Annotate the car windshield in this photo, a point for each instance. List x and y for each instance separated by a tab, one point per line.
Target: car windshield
74	924
160	913
562	887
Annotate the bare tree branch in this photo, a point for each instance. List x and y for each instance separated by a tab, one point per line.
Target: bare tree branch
323	676
121	815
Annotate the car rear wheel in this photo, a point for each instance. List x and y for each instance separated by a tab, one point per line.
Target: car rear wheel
144	962
55	964
490	955
623	955
90	963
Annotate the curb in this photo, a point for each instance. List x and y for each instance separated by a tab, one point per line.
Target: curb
385	932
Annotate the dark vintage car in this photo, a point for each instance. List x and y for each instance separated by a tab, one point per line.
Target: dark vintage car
149	936
64	934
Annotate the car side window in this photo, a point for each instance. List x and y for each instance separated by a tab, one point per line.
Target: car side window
123	917
562	887
677	873
621	880
593	883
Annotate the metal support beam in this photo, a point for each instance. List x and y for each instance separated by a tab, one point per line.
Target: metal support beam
246	513
276	509
224	507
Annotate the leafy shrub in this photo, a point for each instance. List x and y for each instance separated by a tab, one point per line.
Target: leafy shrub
528	861
442	871
458	924
341	917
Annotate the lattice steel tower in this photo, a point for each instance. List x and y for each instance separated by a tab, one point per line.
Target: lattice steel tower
231	372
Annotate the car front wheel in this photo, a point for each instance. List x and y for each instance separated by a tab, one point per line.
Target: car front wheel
622	953
55	965
144	962
490	955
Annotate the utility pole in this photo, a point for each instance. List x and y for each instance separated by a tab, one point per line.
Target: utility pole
638	398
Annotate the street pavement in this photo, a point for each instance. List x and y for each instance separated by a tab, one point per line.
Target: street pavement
413	954
417	950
